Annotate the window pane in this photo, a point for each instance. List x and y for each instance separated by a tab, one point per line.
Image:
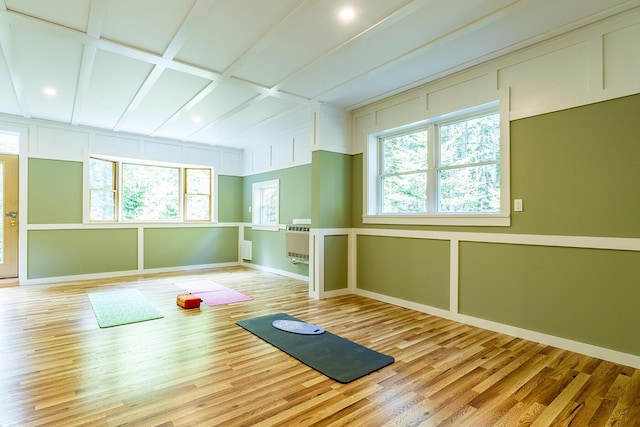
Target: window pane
103	205
101	174
470	141
405	153
197	207
470	190
197	197
269	208
404	193
9	143
198	181
265	203
150	193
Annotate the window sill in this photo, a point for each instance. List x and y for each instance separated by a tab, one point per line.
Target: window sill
463	220
150	222
133	224
260	227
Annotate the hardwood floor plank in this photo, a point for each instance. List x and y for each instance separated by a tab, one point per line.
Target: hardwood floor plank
198	368
563	400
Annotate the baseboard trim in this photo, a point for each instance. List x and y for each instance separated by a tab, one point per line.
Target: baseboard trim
127	273
539	337
276	271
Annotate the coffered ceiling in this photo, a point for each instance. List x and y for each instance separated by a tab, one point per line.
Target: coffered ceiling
219	71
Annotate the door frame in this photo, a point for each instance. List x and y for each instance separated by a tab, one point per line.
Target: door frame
22	129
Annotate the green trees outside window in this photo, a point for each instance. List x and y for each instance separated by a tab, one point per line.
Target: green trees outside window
469	167
138	192
442	168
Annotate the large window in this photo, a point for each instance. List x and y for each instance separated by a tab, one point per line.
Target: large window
150	193
449	167
124	191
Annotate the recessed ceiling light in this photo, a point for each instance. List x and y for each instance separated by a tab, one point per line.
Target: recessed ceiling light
347	13
196	119
49	91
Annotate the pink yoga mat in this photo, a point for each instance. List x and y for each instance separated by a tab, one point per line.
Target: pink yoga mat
193	286
220	297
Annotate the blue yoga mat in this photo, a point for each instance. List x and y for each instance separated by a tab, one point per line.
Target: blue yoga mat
334	356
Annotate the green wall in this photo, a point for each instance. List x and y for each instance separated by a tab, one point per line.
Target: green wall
54	253
415	270
295	192
577	171
295	203
269	251
586	295
229	198
336	268
54	194
331	208
331	201
175	247
357	186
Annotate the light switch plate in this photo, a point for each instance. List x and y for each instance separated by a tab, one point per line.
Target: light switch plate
517	205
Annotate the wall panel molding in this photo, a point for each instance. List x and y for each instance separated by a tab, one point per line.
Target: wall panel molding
456	239
592	64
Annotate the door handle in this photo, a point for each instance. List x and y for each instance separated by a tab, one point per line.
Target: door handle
12	214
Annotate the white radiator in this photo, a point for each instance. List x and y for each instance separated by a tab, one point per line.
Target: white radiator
297	242
246	249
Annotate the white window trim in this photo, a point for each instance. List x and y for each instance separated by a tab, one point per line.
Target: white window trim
256	190
371	190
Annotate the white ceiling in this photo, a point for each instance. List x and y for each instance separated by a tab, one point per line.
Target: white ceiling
151	66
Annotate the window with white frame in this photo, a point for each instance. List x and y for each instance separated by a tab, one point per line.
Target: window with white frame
265	205
102	190
197	194
447	170
128	191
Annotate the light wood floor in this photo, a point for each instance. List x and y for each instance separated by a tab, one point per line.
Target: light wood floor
197	367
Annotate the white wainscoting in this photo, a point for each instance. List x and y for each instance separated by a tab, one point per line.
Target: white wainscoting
316	278
60	141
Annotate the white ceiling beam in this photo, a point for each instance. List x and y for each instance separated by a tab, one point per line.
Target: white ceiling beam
195	16
151	80
137	54
264	121
228	114
94	28
189	105
96	18
84	79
